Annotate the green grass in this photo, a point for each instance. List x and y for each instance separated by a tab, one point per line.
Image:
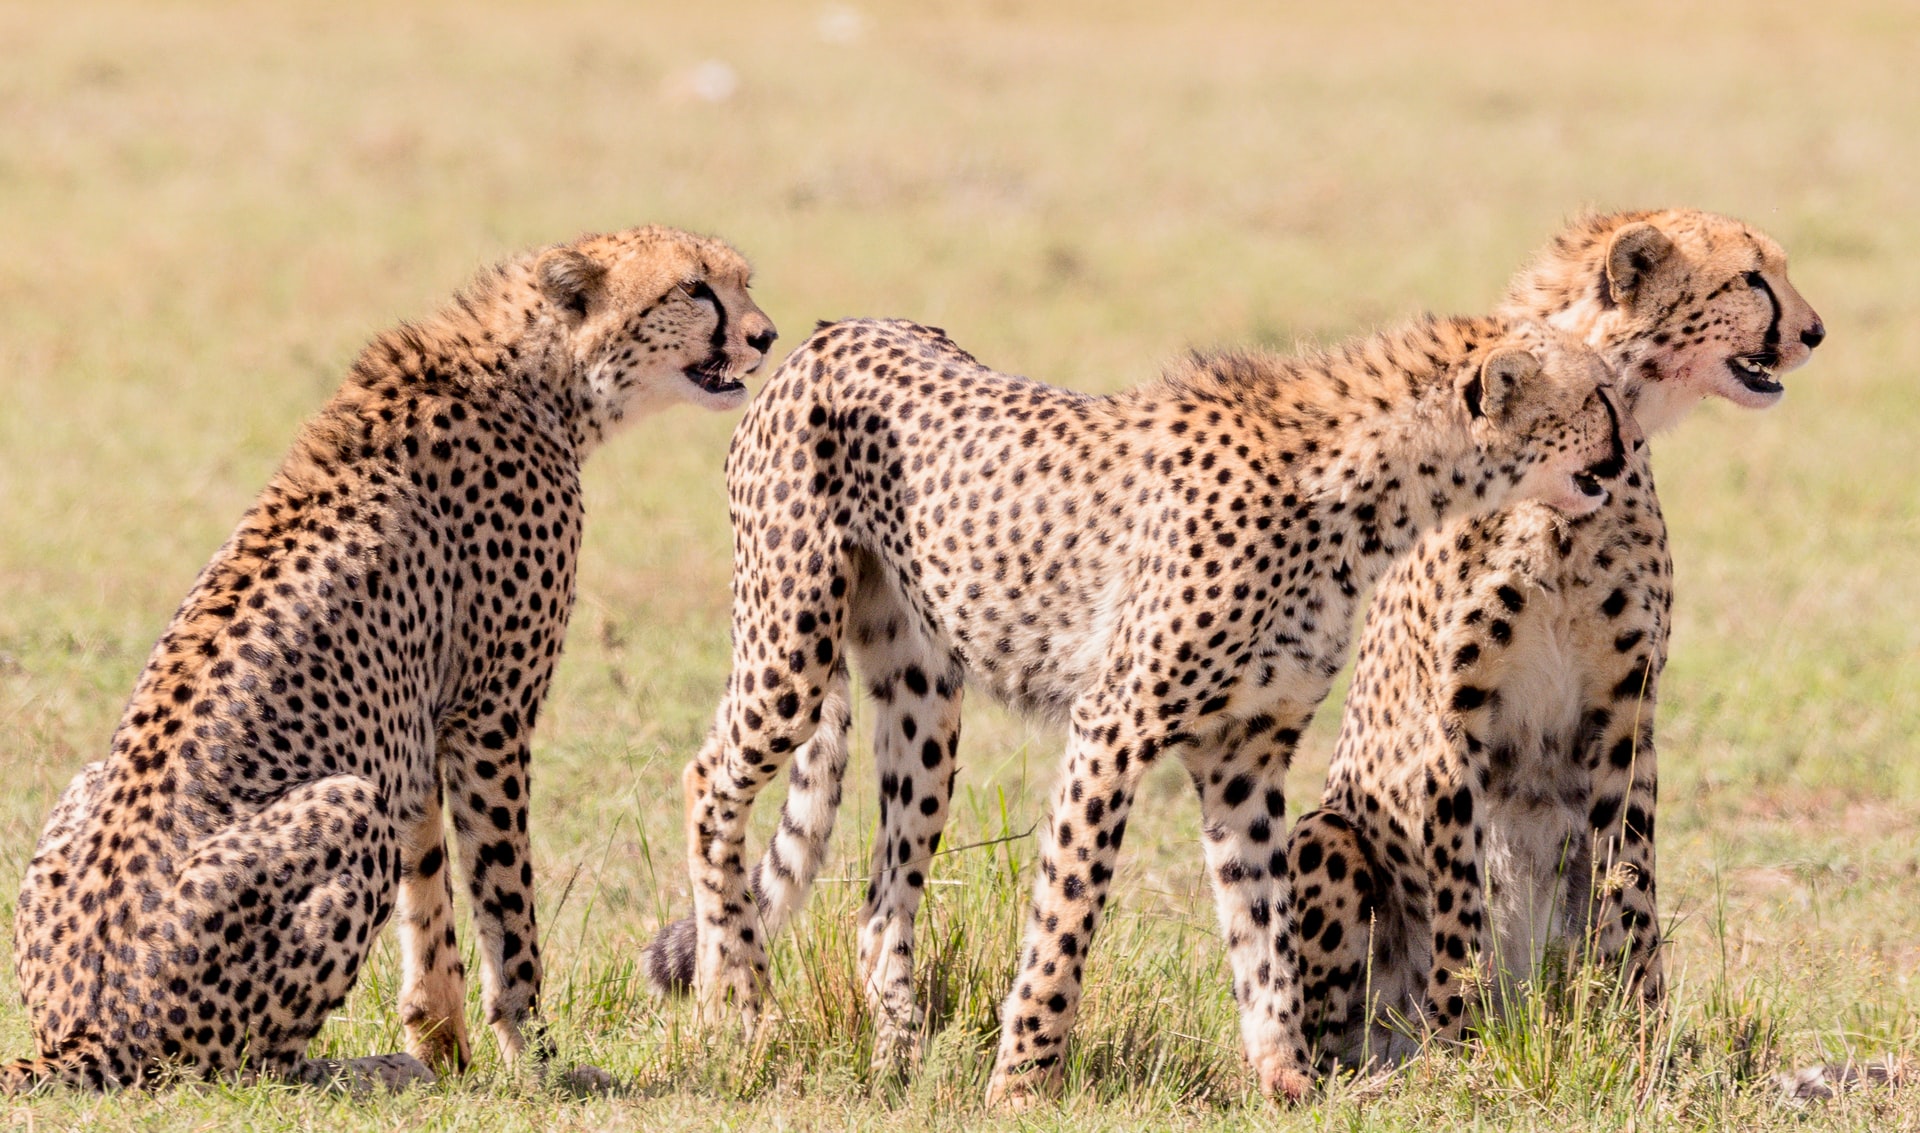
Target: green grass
205	209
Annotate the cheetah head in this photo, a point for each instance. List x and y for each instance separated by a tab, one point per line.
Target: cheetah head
1684	305
1546	409
653	316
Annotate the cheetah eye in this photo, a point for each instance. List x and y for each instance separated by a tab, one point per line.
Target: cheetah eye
1756	281
698	291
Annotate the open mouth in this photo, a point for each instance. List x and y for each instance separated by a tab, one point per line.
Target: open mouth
1756	371
714	376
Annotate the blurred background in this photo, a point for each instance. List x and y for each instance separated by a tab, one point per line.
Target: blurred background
206	208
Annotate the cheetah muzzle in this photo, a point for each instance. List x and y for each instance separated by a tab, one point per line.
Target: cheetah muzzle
1756	371
715	375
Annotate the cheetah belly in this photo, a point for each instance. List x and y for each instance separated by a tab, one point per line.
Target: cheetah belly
1277	685
1033	638
1292	667
1068	646
1537	797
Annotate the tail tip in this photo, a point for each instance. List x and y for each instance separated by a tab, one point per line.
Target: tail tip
668	960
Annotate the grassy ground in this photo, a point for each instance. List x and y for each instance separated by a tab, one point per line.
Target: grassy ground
205	209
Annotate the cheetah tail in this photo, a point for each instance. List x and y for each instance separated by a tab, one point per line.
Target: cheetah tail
77	1067
667	960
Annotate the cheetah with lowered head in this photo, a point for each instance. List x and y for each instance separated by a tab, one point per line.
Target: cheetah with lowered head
376	637
1169	570
1496	756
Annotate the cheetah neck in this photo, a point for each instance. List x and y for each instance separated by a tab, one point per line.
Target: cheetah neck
1372	502
1567	289
1641	366
1373	440
484	347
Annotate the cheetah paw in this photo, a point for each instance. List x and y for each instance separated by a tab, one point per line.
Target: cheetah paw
1019	1090
896	1043
731	996
442	1046
1286	1085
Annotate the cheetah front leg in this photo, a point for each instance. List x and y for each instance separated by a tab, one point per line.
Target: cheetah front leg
1339	897
1624	921
488	789
1241	779
432	978
1457	905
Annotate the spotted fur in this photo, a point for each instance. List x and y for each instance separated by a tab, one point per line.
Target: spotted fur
1169	570
372	644
1491	797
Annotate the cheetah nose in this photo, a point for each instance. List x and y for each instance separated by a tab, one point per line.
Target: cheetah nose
1814	335
764	340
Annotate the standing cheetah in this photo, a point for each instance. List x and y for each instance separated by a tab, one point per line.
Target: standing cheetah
374	639
1172	569
1496	755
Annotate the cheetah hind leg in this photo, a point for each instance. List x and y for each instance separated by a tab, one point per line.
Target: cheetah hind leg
280	884
45	892
287	901
766	714
783	878
283	902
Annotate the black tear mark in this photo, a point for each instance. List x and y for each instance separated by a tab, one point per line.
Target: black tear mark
699	290
1755	279
1617	457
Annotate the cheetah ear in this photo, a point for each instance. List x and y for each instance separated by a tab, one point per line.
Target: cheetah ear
570	280
1492	393
1634	253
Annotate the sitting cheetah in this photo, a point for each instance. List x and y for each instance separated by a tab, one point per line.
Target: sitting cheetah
1496	756
1173	568
379	629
